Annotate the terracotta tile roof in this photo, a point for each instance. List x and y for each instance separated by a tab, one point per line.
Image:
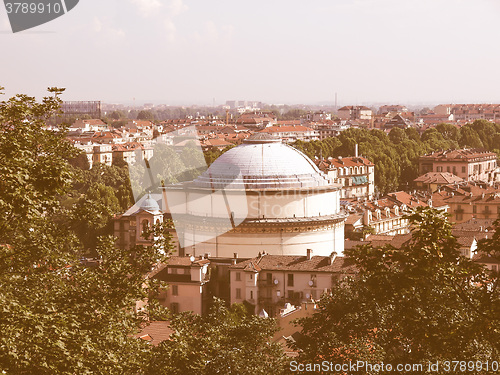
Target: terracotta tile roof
129	146
463	154
105	135
91	122
286	129
464	238
155	332
402	197
350	161
215	142
490	198
186	261
475	225
289	122
353	218
438	178
439	199
352	244
296	263
483	258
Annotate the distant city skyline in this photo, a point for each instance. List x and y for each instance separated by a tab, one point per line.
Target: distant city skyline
184	52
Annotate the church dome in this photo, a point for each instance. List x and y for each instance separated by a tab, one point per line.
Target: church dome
149	204
262	162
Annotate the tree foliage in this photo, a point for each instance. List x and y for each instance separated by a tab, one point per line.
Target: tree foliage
59	315
226	341
423	302
396	154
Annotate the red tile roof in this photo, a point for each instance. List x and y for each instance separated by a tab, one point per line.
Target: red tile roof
269	262
438	178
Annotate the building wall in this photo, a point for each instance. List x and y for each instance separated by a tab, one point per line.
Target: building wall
272	294
258	205
464	211
469	171
292	241
189	297
344	177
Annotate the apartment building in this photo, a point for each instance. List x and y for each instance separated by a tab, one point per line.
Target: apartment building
187	279
468	164
355	113
267	282
355	174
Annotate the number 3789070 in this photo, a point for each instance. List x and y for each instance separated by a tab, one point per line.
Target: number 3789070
34	8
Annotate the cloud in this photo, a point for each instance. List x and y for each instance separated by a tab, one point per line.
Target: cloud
106	31
174	9
177	7
213	33
97	25
148	7
170	30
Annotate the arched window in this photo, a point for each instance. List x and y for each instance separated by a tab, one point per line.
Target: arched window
145	227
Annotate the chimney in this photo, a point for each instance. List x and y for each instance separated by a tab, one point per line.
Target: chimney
356	150
309	254
333	256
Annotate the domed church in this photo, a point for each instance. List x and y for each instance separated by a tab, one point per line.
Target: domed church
262	196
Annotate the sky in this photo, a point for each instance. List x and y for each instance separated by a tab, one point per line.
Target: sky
277	51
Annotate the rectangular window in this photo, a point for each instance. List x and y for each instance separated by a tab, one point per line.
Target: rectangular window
238	276
269	279
448	169
290	279
238	293
494	267
474	209
251	294
174	307
454	170
175	290
463	169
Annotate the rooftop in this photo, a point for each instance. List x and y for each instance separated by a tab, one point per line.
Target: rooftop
267	262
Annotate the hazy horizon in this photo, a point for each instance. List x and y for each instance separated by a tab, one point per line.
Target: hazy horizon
183	52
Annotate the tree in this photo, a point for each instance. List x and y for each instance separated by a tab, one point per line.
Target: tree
226	341
59	315
146	115
397	135
448	131
423	302
469	138
117	115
